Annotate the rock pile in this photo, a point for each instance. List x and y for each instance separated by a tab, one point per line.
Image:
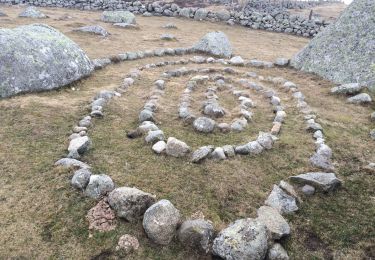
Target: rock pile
275	20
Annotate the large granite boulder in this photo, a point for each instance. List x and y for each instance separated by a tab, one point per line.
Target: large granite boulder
118	17
214	43
345	51
38	57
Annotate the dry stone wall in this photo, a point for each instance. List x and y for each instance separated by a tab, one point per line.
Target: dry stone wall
277	21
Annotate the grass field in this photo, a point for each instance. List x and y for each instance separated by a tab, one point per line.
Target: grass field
42	216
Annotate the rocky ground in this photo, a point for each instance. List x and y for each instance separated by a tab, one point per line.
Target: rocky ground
42	216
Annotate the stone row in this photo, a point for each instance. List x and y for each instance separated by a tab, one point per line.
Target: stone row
277	21
161	219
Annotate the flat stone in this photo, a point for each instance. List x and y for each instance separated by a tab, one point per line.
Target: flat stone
320	180
362	98
71	163
282	202
351	88
274	222
201	154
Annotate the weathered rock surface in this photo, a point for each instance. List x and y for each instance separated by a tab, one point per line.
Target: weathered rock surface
98	186
127	244
69	162
118	17
176	148
243	239
81	178
277	252
197	234
204	124
201	154
101	217
362	98
78	146
344	51
274	222
214	43
160	222
35	58
350	88
320	180
281	201
94	29
130	203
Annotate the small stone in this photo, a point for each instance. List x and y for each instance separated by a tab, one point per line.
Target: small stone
154	136
160	222
274	222
159	147
130	203
218	154
101	217
146	115
276	128
308	190
71	163
176	148
147	126
127	244
238	125
243	239
275	101
98	186
277	252
81	178
204	124
237	61
197	234
168	37
229	150
265	140
282	202
280	116
201	154
320	180
224	127
362	98
78	146
94	29
160	84
282	62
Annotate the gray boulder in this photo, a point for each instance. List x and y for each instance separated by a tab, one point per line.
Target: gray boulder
197	234
281	201
274	222
118	17
130	203
34	58
201	154
81	178
201	14
242	240
32	12
320	180
214	43
71	163
98	186
160	222
78	146
94	29
204	124
362	98
344	51
176	148
154	136
223	15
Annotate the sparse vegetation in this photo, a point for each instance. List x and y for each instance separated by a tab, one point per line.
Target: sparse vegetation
42	216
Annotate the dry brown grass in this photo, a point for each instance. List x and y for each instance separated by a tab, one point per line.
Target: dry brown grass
41	216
